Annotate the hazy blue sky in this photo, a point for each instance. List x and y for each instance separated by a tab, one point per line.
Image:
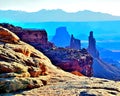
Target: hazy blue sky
106	6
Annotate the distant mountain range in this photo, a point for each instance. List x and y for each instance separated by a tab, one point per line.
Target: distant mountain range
54	15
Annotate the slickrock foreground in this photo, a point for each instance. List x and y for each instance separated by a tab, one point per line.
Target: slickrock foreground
65	84
22	67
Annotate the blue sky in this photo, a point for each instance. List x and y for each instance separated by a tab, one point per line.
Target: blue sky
105	6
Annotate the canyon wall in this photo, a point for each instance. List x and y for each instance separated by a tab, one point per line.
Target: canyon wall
70	60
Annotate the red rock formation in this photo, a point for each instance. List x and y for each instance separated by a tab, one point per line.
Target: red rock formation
23	50
77	73
37	38
70	65
71	60
7	36
67	59
34	36
34	72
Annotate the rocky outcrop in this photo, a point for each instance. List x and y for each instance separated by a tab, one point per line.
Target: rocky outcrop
21	66
68	59
71	60
34	36
75	43
61	38
7	36
99	67
92	46
12	28
37	38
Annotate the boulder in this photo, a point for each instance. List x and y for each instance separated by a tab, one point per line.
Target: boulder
7	36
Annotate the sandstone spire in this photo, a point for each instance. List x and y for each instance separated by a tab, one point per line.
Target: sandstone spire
92	46
75	43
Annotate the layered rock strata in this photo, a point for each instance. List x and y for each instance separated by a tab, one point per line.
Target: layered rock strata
21	65
71	60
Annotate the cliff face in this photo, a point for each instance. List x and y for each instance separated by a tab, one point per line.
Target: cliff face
68	59
36	38
61	38
75	43
71	60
